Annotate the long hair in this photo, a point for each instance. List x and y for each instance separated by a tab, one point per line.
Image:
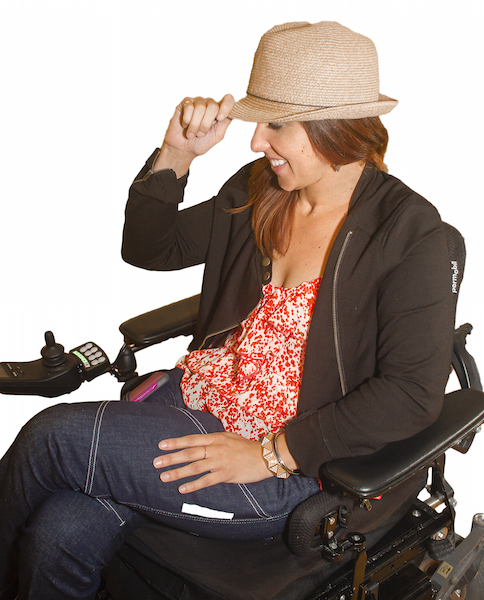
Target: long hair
337	141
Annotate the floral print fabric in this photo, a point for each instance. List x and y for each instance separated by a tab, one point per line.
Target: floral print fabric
251	384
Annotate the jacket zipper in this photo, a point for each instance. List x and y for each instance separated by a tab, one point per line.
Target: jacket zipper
337	343
224	330
150	172
219	332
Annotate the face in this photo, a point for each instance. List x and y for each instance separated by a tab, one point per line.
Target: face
288	149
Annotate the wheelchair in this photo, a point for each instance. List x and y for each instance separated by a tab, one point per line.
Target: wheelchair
414	554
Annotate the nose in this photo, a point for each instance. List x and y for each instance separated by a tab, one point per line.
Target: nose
259	142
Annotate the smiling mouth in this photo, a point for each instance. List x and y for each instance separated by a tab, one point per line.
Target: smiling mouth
277	163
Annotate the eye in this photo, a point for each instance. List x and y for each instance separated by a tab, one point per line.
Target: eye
274	126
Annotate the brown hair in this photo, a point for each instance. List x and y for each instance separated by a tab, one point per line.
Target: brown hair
339	142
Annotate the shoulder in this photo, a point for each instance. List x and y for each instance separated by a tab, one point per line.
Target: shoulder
385	206
234	191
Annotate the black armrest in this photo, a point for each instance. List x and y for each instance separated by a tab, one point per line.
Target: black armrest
371	475
161	324
463	363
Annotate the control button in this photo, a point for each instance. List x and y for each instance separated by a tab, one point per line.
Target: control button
82	349
88	345
267	276
94	362
98	354
102	359
95	349
266	261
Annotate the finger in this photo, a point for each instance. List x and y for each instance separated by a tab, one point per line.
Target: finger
200	483
183	456
209	118
226	105
199	112
186	108
187	470
186	441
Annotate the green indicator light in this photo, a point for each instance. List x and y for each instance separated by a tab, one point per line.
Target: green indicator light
82	357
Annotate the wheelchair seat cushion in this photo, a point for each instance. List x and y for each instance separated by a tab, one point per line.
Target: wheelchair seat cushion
199	568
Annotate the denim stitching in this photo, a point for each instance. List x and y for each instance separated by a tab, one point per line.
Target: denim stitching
242	487
108	506
94	446
194	420
188	517
252	501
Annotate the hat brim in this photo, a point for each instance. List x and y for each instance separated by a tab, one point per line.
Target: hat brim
259	110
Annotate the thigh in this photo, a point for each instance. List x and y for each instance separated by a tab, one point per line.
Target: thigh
241	511
106	450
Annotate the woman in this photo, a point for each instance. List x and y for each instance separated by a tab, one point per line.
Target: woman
315	258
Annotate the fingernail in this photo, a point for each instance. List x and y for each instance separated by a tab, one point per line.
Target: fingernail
200	134
158	463
163	444
182	489
190	135
165	477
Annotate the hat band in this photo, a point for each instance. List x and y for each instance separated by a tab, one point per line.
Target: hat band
287	103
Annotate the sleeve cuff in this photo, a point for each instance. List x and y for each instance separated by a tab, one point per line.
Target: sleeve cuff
313	440
162	185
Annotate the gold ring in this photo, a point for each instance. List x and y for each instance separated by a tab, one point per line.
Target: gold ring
205	456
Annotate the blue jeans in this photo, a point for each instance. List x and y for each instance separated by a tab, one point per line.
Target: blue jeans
79	478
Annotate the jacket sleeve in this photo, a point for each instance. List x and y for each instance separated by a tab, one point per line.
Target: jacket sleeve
157	236
415	318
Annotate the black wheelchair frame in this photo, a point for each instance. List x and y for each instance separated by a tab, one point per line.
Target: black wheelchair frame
414	555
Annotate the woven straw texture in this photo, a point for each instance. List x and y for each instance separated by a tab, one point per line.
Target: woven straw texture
306	71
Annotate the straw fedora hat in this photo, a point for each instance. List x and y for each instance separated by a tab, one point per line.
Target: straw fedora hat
306	72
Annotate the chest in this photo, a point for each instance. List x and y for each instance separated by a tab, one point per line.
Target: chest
308	250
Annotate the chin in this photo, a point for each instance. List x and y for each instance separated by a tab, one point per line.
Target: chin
287	187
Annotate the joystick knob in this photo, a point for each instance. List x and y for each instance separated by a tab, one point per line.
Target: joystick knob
52	354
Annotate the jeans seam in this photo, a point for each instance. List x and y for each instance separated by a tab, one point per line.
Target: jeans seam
94	447
194	420
109	506
188	517
252	501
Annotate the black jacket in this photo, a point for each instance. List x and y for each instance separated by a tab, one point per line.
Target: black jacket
379	343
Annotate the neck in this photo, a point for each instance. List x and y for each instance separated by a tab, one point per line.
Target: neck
331	192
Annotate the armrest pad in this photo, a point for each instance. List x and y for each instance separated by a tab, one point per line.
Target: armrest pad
161	324
463	363
371	475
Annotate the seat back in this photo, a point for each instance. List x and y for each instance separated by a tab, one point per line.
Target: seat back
457	258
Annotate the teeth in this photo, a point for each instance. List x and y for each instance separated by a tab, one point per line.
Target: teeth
277	163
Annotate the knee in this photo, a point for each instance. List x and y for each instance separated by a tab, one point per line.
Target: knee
64	545
56	427
71	537
80	526
43	424
54	530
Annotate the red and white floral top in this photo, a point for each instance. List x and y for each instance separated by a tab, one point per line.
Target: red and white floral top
252	383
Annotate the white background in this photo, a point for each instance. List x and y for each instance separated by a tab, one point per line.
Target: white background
87	90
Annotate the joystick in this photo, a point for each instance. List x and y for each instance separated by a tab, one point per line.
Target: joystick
53	354
57	372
